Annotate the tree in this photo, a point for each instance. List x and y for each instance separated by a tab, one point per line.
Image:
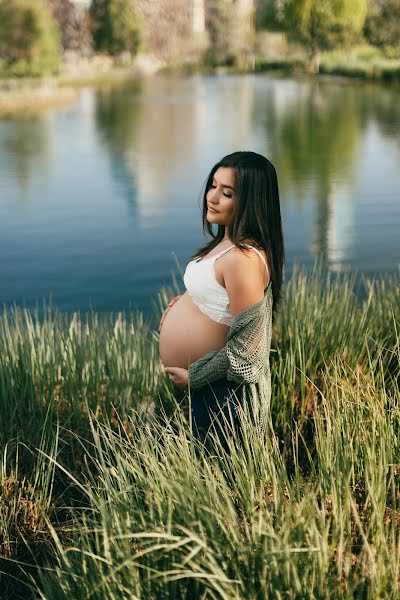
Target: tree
73	23
115	26
231	26
324	24
382	26
219	19
29	37
166	28
268	14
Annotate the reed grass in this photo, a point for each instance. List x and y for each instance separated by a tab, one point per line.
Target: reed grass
106	494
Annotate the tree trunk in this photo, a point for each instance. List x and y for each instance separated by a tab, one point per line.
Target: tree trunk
315	58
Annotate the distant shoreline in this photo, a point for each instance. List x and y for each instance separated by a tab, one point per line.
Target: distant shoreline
29	93
379	71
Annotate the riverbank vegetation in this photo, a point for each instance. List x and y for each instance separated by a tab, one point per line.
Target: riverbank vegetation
341	37
363	61
105	494
49	37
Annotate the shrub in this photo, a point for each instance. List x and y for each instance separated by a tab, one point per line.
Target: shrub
29	38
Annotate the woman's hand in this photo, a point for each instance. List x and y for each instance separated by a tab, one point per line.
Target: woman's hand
171	303
178	376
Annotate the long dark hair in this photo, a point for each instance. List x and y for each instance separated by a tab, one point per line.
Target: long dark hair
256	216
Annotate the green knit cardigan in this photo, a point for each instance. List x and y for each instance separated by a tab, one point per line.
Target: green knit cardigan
245	358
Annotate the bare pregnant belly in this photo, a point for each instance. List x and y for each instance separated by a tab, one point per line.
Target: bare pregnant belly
187	334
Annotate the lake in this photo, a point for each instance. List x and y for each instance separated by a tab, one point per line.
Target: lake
100	200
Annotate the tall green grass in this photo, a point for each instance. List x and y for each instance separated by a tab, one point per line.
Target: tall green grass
106	494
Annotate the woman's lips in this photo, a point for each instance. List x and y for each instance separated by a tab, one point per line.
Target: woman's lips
212	209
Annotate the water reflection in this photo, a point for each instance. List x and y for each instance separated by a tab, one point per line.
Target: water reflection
160	128
144	149
334	225
172	114
313	132
381	106
117	115
25	148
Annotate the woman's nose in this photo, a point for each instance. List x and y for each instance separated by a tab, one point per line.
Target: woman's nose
213	195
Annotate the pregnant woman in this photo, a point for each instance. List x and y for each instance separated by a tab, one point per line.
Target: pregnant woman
215	338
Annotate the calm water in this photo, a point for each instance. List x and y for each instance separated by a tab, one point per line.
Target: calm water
97	199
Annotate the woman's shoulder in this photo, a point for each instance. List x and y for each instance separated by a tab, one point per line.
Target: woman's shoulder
244	278
248	255
243	267
249	243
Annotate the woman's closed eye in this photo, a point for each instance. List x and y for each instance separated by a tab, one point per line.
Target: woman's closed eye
213	186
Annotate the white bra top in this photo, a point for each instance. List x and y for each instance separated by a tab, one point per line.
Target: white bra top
209	295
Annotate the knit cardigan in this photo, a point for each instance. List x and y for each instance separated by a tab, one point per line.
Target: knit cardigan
245	357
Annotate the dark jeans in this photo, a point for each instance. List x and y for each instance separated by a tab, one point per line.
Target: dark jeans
210	404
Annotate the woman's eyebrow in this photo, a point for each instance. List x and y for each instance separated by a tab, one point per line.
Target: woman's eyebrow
225	185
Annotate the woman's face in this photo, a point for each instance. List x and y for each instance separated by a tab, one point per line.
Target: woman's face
221	196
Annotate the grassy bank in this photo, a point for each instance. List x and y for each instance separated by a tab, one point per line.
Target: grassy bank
105	494
27	93
382	70
26	98
359	62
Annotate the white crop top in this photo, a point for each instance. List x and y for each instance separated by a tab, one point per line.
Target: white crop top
209	295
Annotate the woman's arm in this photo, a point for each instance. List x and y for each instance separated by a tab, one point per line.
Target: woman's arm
244	277
243	358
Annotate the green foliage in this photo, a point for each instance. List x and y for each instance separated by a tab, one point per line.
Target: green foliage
219	21
268	15
382	26
325	23
230	27
115	26
29	38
